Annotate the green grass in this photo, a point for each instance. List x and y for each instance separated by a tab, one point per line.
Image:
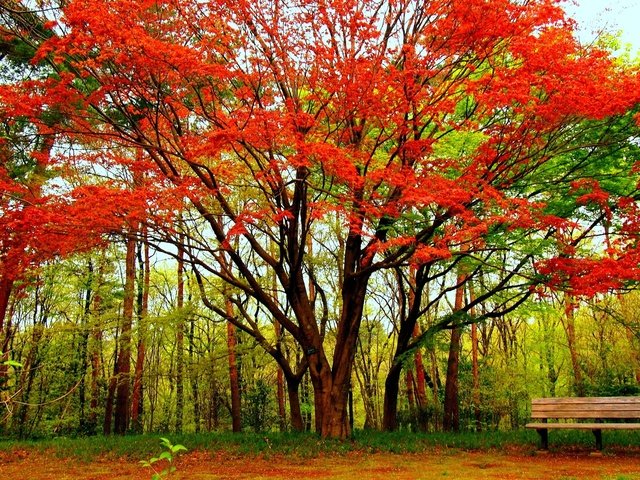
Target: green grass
306	445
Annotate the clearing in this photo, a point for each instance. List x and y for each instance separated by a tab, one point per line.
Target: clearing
511	463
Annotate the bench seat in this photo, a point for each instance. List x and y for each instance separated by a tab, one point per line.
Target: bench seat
584	413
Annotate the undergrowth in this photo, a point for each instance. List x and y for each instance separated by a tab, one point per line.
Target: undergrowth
306	445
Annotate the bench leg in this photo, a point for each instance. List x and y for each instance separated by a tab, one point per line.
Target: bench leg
598	435
544	438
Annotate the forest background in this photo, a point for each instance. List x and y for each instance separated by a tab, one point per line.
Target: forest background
311	217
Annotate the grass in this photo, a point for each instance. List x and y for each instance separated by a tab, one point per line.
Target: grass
305	445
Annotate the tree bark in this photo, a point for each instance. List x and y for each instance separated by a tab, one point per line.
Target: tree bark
234	380
570	329
451	421
96	346
180	343
195	395
282	413
390	404
122	408
476	377
475	372
6	287
143	308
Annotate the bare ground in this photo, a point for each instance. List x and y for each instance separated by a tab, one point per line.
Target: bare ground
516	463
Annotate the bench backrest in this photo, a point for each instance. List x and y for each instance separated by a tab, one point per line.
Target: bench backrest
586	407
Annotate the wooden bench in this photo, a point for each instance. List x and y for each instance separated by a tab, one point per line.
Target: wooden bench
575	413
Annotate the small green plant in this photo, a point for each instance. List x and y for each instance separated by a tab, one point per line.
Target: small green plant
168	455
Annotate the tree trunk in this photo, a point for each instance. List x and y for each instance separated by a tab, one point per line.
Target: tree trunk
195	396
111	393
122	408
297	421
96	346
570	329
451	421
180	343
234	380
421	387
390	405
6	286
408	322
84	347
143	308
475	372
282	413
476	377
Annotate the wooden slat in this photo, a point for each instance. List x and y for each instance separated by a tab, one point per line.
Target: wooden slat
586	400
585	426
623	407
586	407
567	413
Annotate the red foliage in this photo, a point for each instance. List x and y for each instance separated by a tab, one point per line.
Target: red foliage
434	121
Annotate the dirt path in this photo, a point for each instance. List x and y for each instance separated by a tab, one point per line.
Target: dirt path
454	464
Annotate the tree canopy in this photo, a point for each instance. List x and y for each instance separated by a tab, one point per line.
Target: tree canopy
382	134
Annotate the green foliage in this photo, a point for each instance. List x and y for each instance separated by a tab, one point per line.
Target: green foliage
257	412
166	457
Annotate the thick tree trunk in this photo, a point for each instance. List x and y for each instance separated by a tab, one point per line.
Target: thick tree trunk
332	385
122	408
390	405
297	421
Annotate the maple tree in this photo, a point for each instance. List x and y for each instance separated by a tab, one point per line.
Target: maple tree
391	133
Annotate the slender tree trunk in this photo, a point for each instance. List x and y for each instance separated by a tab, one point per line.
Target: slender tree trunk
6	287
234	379
84	346
180	343
411	398
111	394
195	396
475	371
635	352
122	408
143	308
282	413
570	329
451	402
421	386
476	377
96	346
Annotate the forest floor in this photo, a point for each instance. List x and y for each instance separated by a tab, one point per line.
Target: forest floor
435	463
